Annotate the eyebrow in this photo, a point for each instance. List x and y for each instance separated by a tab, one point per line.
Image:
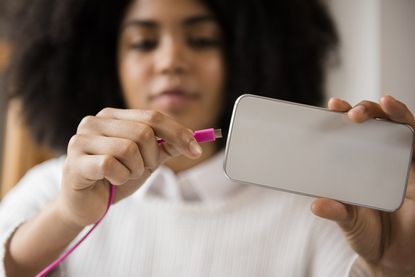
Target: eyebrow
151	24
194	20
140	23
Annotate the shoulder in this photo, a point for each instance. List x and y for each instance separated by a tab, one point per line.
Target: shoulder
32	193
41	181
48	171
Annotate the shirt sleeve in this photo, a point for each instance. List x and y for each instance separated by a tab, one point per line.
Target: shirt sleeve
31	194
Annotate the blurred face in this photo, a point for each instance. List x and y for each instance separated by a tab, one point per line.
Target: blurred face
170	59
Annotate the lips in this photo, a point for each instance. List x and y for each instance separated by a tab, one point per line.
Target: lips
172	98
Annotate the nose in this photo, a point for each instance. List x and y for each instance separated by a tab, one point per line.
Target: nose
171	58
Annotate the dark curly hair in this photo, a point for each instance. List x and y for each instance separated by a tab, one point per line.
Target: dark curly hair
64	64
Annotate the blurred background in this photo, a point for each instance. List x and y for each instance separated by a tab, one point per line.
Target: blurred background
4	53
377	50
376	56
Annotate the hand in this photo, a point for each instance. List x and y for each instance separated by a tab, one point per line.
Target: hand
385	241
118	147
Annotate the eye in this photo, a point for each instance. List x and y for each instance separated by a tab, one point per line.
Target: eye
203	42
144	45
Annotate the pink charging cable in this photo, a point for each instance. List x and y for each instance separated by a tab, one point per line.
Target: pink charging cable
206	135
55	263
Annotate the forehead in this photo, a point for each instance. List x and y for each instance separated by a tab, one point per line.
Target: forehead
164	10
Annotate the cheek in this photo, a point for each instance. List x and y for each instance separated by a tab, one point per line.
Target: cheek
134	76
213	74
217	81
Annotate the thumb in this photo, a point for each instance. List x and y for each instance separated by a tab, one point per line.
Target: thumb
362	226
168	151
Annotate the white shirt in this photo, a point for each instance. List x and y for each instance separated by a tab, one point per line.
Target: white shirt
196	223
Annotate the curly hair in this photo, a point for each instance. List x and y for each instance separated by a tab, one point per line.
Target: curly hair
64	64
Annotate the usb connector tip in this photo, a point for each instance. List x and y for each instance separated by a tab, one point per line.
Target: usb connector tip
218	133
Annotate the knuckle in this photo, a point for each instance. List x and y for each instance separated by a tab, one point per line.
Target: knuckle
146	134
368	104
75	142
129	148
105	164
105	112
135	134
365	102
154	117
85	122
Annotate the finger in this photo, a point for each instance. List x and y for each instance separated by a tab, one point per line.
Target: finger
366	110
167	151
149	149
338	105
164	127
131	186
138	132
124	150
397	111
330	209
93	168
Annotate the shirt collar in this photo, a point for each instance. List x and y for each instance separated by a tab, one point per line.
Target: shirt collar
205	182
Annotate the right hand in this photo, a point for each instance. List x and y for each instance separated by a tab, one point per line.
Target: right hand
118	147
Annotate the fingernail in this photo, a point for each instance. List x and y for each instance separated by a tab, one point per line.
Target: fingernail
195	148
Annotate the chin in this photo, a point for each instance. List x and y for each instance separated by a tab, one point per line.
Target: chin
188	117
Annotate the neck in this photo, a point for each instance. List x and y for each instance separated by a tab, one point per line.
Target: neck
182	163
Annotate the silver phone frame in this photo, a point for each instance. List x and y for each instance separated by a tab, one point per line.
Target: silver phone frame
229	135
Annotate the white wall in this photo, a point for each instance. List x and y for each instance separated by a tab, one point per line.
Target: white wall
377	50
398	49
358	75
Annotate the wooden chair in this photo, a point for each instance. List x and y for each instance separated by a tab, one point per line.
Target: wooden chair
20	153
4	54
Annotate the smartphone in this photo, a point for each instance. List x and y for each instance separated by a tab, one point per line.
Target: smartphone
316	152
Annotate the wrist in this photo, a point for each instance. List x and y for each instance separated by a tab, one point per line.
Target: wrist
381	271
64	216
385	272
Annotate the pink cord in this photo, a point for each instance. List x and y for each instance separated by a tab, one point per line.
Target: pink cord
54	264
205	135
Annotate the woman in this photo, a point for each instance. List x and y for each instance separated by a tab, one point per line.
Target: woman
177	66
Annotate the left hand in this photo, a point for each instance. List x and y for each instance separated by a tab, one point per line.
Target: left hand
385	241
